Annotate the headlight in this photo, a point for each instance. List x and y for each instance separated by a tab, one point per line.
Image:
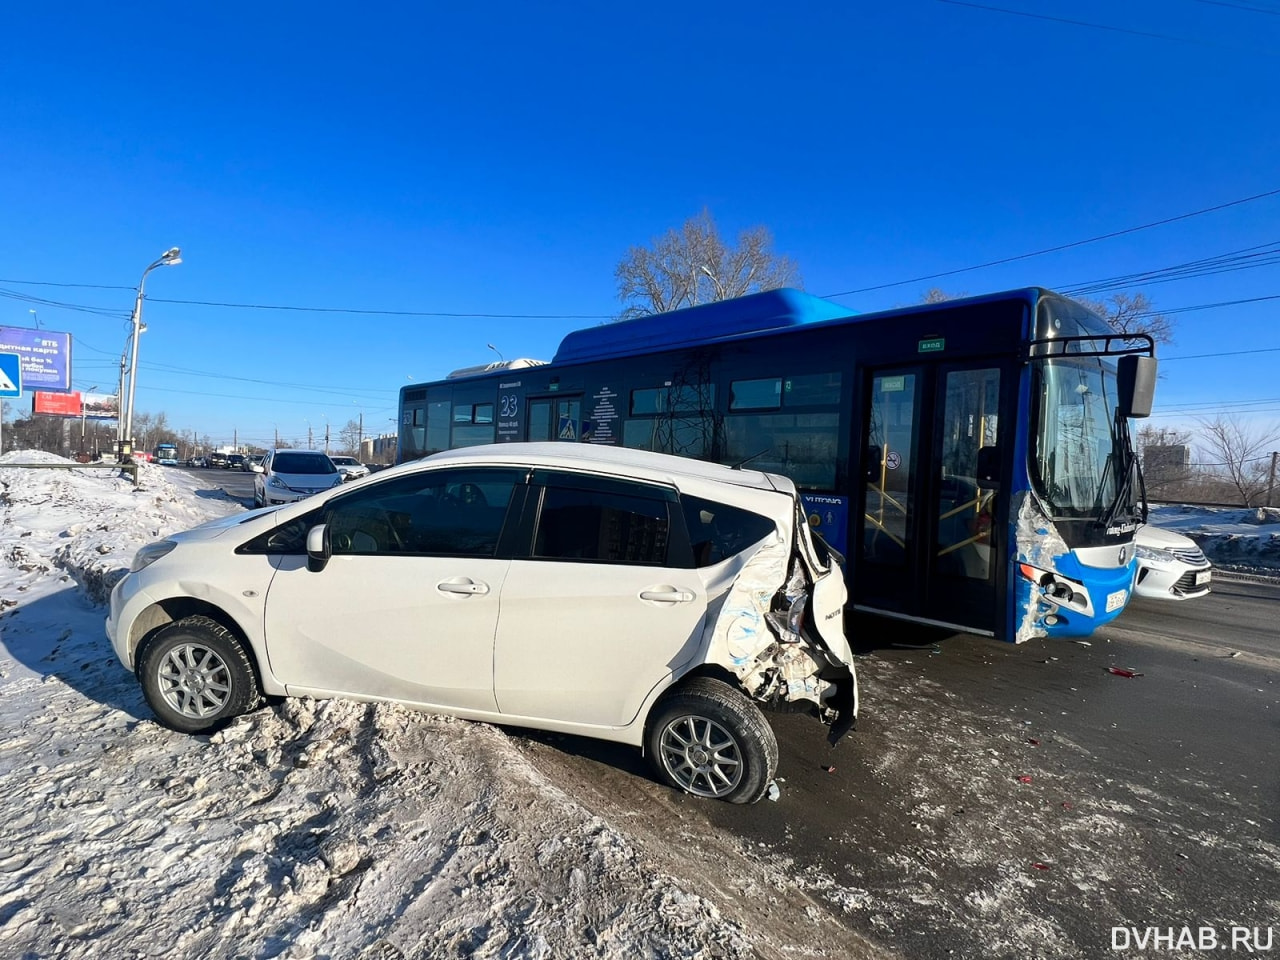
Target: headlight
278	483
1152	553
150	554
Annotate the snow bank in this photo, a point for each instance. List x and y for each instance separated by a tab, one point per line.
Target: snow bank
1235	538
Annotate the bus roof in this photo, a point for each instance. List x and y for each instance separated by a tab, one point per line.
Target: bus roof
757	312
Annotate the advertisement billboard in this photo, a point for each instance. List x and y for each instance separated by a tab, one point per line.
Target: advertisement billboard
45	357
90	406
100	406
44	404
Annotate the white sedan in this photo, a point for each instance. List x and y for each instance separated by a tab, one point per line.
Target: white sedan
1170	566
630	596
350	468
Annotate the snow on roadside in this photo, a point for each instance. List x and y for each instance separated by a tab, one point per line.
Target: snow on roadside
307	828
1234	538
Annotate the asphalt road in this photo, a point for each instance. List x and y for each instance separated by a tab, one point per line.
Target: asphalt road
1009	801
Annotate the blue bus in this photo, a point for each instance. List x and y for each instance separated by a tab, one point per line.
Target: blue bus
166	454
971	459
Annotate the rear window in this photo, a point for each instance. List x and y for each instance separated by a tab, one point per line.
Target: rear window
302	463
719	531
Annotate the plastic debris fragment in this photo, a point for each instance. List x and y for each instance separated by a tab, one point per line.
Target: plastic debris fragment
1122	672
1066	804
774	792
1040	866
1024	779
1033	741
1083	643
830	768
1234	655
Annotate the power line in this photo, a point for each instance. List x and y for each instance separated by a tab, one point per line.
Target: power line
1060	247
1239	6
85	286
392	313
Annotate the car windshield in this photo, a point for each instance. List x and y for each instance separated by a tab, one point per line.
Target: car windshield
303	463
345	461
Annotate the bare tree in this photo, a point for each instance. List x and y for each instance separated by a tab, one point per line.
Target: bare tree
1240	452
938	295
350	436
693	265
1132	313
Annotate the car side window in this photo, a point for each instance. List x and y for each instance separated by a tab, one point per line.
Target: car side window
719	531
454	512
585	519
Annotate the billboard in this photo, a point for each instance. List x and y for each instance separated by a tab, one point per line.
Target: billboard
100	406
45	357
90	406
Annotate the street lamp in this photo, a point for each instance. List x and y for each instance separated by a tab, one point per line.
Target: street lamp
170	258
82	415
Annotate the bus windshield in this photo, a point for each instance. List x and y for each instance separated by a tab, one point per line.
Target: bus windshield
1080	454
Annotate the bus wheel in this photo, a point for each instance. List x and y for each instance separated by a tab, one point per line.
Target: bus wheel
706	738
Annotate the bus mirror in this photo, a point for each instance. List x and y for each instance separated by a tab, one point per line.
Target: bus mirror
1136	380
988	467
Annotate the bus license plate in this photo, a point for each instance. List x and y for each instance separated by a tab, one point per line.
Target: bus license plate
1203	577
1116	600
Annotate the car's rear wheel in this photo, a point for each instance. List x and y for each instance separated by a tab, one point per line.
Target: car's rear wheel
708	739
196	675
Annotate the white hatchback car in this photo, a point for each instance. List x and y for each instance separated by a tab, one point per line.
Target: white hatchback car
1170	566
289	475
610	593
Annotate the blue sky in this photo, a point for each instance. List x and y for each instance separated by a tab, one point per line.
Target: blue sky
501	158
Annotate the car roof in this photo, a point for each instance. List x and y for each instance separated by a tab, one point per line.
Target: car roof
641	464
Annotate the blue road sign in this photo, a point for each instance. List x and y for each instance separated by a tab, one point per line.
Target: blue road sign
10	375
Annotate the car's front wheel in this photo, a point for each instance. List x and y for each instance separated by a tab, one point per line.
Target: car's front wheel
196	675
706	738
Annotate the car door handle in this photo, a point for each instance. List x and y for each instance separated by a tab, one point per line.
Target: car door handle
667	595
462	585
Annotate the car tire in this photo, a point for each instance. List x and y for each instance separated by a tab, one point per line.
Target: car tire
258	501
196	675
706	738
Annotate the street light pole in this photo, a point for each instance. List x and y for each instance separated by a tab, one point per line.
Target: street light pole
82	416
170	258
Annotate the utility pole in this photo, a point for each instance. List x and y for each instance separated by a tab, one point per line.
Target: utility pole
1271	483
235	440
360	442
326	438
124	360
310	443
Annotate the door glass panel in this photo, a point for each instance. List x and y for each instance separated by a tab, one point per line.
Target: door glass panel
969	422
890	468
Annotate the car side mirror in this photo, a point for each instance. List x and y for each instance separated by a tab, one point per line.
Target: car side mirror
318	550
988	467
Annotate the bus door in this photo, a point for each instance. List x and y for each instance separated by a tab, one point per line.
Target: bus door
933	477
555	418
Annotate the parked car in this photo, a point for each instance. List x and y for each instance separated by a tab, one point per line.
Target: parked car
235	461
218	460
289	475
252	463
1170	566
350	467
612	593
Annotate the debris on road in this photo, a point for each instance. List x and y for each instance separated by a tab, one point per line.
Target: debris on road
1024	779
1040	866
1033	741
774	792
1122	672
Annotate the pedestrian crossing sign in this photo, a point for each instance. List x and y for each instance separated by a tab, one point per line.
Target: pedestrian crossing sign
568	428
10	375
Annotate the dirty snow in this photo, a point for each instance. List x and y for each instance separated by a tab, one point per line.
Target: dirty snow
306	828
1234	538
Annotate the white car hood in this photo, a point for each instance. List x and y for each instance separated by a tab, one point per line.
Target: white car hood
1160	539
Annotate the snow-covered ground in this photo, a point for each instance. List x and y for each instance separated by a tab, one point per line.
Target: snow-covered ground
309	828
333	828
1233	538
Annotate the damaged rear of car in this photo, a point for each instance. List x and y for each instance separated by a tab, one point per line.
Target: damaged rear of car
775	626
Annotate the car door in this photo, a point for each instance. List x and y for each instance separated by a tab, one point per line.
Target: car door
406	607
604	606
